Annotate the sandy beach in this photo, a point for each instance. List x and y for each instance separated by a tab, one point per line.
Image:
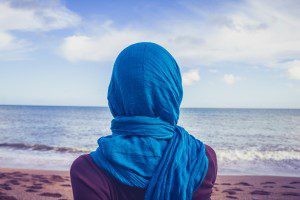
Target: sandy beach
42	184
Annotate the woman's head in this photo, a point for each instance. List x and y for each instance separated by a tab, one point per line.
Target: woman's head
146	81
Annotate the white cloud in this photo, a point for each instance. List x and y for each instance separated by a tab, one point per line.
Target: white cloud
230	79
5	40
31	16
294	70
101	47
36	18
213	71
251	33
191	76
12	48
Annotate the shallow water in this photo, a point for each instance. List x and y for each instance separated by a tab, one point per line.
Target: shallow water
247	141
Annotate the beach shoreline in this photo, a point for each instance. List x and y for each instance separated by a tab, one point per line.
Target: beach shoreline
50	184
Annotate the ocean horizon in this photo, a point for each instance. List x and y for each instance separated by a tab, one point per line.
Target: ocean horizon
181	107
248	141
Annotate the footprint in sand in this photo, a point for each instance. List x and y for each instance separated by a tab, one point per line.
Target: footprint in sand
24	179
295	182
237	189
57	178
35	187
294	194
36	176
13	181
260	192
229	191
268	186
243	184
287	186
231	197
4	196
45	181
31	190
48	194
5	186
2	175
225	184
66	185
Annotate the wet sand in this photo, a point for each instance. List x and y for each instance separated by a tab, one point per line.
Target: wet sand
257	187
39	184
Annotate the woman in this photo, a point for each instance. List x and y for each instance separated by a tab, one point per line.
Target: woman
147	156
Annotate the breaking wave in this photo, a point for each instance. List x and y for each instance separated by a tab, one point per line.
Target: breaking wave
42	147
251	155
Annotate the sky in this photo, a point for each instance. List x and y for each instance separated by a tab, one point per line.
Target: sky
241	54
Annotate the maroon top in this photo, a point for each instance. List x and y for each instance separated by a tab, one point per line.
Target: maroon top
92	183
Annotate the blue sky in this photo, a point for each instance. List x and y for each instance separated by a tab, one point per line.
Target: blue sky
231	53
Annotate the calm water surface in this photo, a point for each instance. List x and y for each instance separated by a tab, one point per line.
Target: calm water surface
247	141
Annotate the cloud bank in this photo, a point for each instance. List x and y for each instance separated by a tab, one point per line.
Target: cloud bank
253	32
294	69
230	79
102	47
31	16
191	76
248	33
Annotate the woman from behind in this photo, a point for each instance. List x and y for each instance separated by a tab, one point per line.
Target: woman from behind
147	156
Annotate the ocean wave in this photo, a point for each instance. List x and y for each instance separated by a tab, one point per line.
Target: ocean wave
42	147
222	154
252	155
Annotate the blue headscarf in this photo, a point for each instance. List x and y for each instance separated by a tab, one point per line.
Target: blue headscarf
146	148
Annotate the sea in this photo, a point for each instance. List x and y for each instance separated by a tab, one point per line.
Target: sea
246	141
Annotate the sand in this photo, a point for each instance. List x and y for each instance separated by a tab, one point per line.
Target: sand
256	187
39	184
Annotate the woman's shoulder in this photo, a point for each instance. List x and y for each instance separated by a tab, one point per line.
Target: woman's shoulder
205	189
212	162
90	182
85	166
210	153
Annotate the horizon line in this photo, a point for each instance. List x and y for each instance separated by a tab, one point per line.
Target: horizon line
101	106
